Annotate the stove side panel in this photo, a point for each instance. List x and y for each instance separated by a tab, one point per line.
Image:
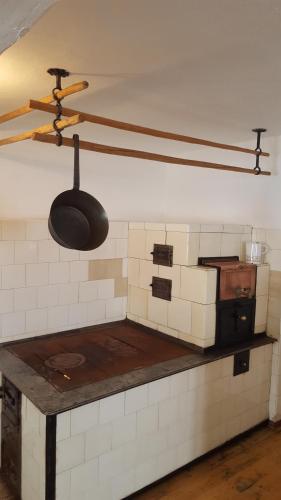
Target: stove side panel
111	448
33	452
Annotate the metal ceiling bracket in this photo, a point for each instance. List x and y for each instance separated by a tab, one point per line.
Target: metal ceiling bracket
59	73
258	149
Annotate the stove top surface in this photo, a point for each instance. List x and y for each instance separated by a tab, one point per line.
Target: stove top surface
70	360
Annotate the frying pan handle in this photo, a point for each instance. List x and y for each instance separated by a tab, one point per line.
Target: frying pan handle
76	178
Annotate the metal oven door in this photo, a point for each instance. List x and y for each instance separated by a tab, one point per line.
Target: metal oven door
235	321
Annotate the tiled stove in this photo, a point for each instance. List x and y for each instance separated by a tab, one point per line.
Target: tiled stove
190	315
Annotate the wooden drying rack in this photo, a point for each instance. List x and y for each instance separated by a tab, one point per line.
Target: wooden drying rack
74	117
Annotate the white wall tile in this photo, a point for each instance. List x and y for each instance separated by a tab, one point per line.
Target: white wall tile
88	291
118	229
179	383
7	252
13	276
79	271
147	420
70	452
262	280
203	322
183	228
96	311
171	273
13	324
116	308
157	310
63	425
63	486
57	316
125	268
185	247
155	226
83	418
231	245
210	245
198	284
48	296
168	412
98	440
179	315
37	275
77	314
211	228
136	398
25	298
13	230
6	301
68	293
133	271
25	252
136	225
37	230
36	320
48	251
261	313
146	270
136	244
138	301
106	289
124	430
120	248
67	254
84	479
159	390
59	272
152	237
112	407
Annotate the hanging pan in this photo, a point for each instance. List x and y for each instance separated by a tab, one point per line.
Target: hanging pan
77	220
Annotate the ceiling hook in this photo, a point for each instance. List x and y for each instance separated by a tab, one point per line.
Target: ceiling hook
258	149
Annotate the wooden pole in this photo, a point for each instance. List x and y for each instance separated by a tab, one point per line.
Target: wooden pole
44	129
23	110
144	155
108	122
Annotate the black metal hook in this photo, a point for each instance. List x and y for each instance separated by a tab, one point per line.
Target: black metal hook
258	149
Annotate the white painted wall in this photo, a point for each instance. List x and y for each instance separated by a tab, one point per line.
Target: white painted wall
32	174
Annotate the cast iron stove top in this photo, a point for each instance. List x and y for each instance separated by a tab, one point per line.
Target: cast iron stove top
69	360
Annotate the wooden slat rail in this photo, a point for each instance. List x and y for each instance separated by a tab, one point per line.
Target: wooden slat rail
145	155
44	129
23	110
108	122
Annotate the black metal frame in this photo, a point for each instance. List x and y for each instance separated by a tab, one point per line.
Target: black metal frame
50	472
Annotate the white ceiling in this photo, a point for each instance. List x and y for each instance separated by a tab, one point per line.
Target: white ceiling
207	68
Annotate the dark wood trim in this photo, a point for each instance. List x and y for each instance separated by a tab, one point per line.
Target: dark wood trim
50	473
223	446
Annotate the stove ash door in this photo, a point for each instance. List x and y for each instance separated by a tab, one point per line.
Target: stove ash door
235	321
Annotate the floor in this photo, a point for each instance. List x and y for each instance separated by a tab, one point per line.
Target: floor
5	494
249	469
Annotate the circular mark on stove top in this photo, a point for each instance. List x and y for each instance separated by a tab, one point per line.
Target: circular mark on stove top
65	360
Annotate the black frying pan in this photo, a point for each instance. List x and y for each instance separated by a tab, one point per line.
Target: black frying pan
77	220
